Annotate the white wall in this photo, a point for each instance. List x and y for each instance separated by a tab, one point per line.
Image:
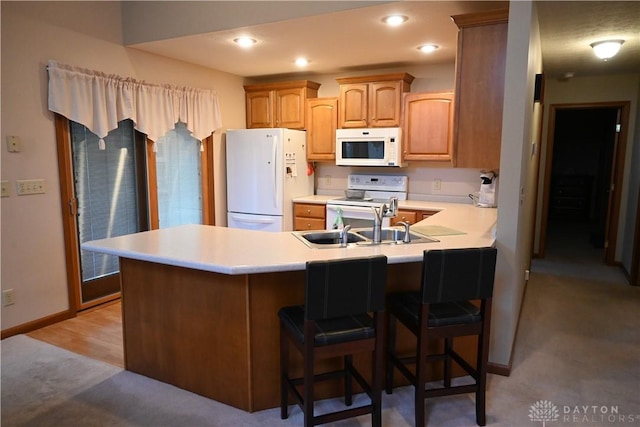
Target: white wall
85	34
515	216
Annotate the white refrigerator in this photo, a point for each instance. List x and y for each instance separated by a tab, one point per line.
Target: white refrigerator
266	168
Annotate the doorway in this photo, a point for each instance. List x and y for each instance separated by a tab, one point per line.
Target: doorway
583	178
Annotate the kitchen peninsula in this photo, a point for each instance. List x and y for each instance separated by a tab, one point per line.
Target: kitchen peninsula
199	302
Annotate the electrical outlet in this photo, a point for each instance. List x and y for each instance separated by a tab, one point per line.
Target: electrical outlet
30	186
526	275
437	184
5	189
7	297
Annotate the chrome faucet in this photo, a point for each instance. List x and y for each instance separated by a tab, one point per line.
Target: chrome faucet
344	236
383	212
407	235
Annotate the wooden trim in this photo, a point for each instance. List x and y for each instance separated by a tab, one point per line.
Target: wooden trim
283	85
405	77
208	197
634	278
481	18
99	301
152	184
497	369
69	210
140	141
38	323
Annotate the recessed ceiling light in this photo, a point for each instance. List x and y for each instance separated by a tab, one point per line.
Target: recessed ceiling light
606	49
395	20
245	41
428	48
301	62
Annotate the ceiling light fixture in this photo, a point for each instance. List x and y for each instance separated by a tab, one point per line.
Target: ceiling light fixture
245	41
302	62
606	49
428	48
394	20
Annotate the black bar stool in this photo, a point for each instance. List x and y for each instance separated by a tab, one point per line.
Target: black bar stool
335	321
451	280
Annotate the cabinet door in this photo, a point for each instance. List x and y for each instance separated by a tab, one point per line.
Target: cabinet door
480	71
353	105
427	126
290	108
259	109
384	104
322	121
406	216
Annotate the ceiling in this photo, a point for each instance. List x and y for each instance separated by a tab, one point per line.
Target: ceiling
356	39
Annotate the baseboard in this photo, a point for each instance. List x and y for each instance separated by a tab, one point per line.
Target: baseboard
37	324
494	368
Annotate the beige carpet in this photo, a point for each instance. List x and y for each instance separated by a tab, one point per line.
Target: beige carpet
577	354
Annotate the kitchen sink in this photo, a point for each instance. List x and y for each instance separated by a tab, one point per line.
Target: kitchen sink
329	239
389	234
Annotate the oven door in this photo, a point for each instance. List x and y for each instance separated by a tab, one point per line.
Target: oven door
356	216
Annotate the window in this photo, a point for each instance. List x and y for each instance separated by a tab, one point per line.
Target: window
106	190
179	178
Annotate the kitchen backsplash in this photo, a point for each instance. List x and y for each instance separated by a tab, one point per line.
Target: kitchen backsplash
454	184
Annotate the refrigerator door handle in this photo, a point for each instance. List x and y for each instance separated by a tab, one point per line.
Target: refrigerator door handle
252	220
276	182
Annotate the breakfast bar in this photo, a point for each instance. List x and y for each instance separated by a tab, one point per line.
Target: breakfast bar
199	302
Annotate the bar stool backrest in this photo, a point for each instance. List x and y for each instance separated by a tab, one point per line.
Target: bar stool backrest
345	287
453	275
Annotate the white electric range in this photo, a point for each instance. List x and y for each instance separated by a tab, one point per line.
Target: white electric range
378	189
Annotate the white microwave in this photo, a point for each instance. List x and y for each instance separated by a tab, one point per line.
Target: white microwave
369	147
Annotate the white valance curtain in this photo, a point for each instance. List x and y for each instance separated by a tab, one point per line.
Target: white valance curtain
99	101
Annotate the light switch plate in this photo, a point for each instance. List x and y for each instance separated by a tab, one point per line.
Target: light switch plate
13	144
5	188
30	186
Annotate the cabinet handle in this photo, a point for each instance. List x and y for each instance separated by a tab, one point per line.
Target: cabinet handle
308	211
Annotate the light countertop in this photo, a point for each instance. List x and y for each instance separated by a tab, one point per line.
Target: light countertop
236	251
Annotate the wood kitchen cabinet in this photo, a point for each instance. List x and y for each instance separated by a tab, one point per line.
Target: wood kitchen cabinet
308	216
427	126
411	216
372	101
281	105
480	71
322	121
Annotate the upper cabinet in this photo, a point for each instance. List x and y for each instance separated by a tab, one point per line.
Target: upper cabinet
427	126
372	101
480	70
278	105
322	121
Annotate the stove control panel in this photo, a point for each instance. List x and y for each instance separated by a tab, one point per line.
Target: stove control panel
378	182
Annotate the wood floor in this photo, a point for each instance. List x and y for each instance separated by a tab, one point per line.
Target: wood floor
96	333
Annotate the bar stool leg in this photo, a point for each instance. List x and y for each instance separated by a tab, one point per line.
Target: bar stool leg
420	381
391	353
284	375
447	361
348	380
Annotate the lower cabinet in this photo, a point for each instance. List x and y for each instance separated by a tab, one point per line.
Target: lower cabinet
411	216
308	216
